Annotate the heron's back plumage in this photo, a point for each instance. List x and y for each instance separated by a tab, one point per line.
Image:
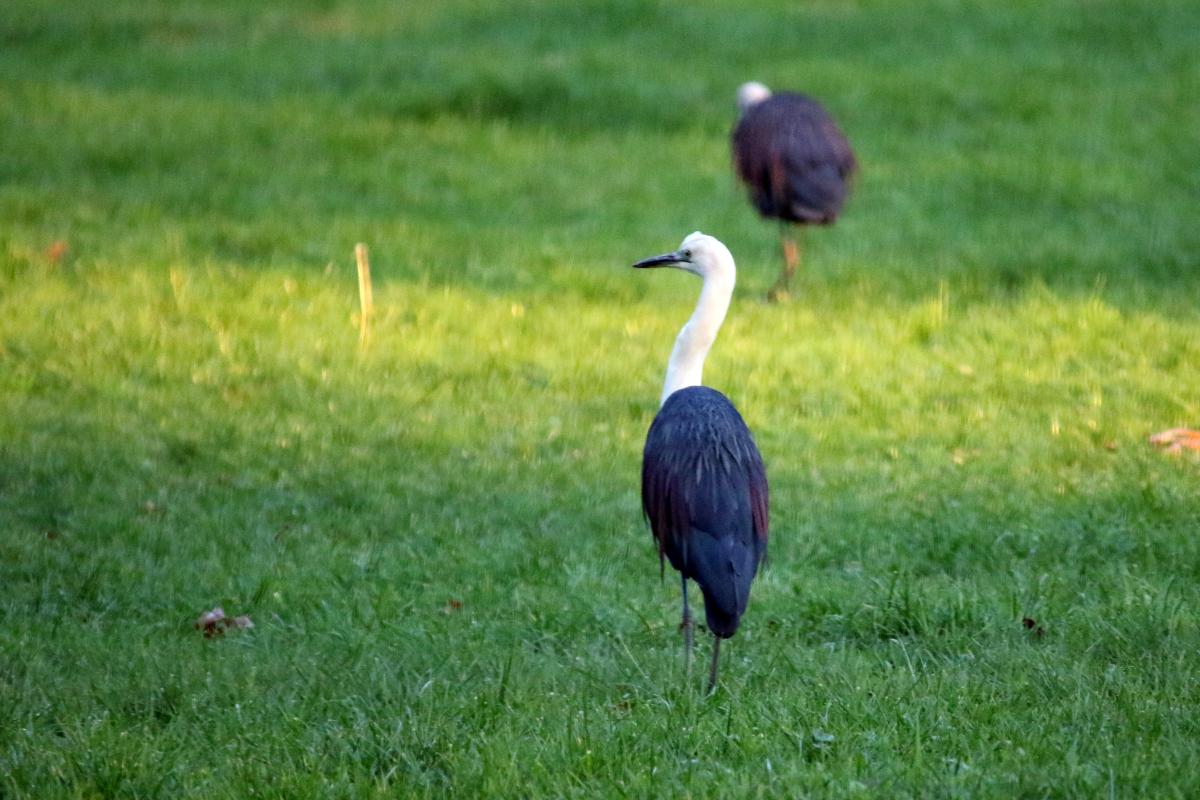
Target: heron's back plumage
704	491
794	159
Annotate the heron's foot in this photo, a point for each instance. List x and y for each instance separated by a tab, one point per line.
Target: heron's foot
712	670
779	294
687	626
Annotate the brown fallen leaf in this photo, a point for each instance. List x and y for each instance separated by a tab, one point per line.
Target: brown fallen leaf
215	623
452	605
211	622
1176	440
56	251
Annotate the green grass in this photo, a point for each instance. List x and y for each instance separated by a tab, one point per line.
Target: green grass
439	539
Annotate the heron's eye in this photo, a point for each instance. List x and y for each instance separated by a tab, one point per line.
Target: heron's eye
687	254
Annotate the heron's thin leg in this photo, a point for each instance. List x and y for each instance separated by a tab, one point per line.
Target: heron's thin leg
712	672
687	627
791	262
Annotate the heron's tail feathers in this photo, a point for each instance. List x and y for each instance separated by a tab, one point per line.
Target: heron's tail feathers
724	567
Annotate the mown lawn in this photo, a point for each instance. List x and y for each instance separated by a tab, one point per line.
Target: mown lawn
438	538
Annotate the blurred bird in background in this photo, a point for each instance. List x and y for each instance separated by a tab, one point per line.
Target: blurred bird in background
795	162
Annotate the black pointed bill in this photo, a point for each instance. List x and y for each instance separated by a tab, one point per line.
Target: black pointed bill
665	260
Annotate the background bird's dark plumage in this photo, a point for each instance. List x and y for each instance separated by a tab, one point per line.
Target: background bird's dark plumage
704	491
793	158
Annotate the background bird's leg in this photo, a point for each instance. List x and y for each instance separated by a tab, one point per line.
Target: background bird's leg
712	672
686	626
791	262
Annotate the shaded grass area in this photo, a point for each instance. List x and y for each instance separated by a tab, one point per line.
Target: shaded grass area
999	145
438	539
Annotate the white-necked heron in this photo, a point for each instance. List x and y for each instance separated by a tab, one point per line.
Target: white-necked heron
704	486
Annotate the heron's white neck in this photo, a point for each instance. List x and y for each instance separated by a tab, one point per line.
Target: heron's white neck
697	336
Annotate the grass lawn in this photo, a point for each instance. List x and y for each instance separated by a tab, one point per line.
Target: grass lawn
438	538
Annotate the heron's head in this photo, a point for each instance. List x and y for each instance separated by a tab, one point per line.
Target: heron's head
699	254
751	94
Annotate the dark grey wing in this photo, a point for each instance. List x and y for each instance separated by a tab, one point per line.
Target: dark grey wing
704	490
664	497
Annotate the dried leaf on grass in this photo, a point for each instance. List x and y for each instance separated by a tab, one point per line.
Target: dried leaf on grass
1176	440
56	251
215	623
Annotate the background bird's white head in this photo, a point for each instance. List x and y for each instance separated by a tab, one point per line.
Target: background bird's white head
699	254
751	94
